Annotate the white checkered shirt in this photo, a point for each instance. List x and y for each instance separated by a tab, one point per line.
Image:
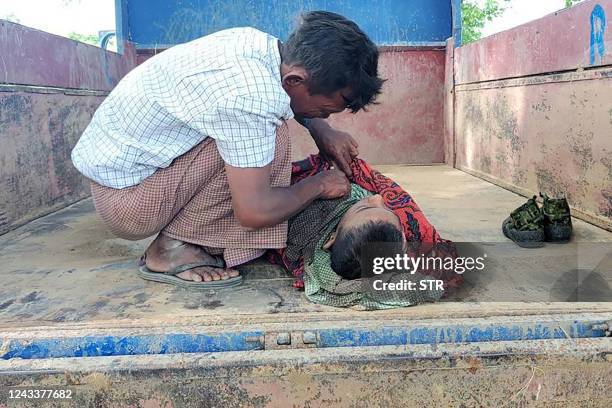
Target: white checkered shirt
226	85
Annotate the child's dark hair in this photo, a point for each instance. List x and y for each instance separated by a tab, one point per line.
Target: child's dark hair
348	246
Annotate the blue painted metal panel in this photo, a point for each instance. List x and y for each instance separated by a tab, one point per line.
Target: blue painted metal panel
93	346
457	24
445	334
96	346
121	22
163	23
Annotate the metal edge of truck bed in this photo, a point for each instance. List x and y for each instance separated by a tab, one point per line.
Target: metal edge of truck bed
560	372
351	333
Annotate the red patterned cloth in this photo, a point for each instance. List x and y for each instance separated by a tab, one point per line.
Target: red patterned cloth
416	226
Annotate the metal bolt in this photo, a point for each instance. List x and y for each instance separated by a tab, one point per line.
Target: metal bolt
309	337
254	339
283	339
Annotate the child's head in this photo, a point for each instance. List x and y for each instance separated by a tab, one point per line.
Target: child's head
368	221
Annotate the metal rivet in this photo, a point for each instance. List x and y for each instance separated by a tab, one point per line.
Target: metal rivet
309	337
283	339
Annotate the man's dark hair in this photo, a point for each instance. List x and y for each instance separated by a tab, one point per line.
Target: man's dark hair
347	249
336	54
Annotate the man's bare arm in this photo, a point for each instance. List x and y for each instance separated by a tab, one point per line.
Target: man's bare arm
257	205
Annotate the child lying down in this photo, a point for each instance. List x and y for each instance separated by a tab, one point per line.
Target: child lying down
325	241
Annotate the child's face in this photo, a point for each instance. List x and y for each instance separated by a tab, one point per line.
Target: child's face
371	208
368	209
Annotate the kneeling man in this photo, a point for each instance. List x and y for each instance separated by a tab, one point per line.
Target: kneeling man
192	145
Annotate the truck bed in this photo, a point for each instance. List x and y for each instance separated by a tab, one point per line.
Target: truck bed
67	268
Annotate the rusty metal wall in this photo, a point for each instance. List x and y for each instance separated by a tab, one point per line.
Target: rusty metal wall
524	125
49	89
580	36
449	104
407	127
33	57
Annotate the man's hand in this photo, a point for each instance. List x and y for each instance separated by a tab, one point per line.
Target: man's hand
334	184
335	146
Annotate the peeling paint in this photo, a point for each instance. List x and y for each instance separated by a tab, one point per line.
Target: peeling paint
507	122
567	155
548	183
35	167
607	162
580	144
15	110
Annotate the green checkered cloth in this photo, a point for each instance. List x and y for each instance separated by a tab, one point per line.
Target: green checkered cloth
322	285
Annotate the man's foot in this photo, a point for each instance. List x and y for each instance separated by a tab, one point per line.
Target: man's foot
166	253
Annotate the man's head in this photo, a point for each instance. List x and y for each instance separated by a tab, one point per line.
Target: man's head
329	65
368	221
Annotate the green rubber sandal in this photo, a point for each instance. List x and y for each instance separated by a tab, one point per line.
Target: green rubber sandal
557	219
525	226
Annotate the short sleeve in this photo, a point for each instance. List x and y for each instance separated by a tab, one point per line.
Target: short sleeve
245	131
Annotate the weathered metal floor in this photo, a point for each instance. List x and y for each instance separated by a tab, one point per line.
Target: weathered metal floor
74	315
66	269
